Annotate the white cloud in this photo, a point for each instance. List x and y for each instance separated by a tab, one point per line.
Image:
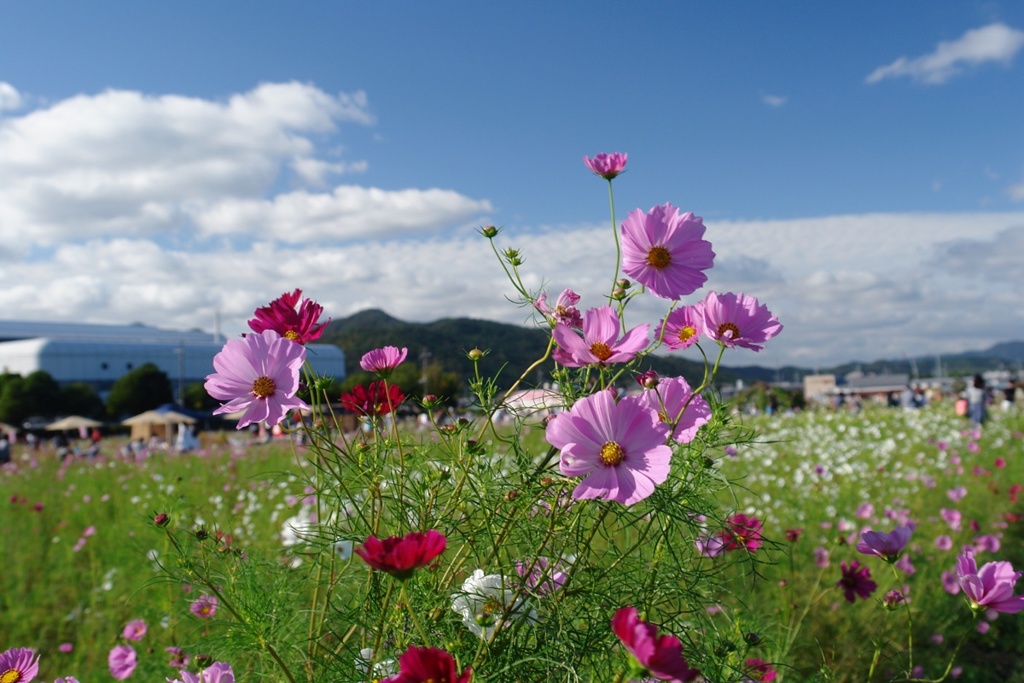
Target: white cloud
993	43
1016	192
346	213
773	100
856	287
121	163
10	98
121	207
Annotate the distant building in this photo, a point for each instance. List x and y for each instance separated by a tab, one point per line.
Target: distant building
819	388
101	354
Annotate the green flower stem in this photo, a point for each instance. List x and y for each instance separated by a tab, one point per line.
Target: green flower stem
229	606
605	509
379	636
949	665
878	648
618	246
404	597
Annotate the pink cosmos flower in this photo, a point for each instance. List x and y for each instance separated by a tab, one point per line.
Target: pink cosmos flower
292	317
401	555
134	630
957	494
943	542
738	320
540	576
66	679
607	165
888	546
952	517
65	647
710	545
856	581
683	327
821	557
218	672
122	661
664	251
618	447
428	665
259	374
991	587
668	399
178	659
565	310
600	344
204	607
384	360
18	665
661	656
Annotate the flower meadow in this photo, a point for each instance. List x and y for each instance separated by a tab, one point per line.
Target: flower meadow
638	528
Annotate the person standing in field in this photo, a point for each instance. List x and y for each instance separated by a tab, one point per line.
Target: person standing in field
976	401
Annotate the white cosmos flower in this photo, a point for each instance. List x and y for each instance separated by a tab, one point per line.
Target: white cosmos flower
486	599
381	669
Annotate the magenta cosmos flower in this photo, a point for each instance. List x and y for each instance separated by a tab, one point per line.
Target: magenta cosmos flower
122	661
600	344
259	374
618	447
607	165
663	250
683	327
384	360
760	671
428	665
565	310
738	320
856	581
742	531
401	555
888	546
668	399
660	656
292	317
204	607
18	665
991	587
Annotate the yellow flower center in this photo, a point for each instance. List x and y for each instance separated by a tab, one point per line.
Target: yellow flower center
601	351
10	676
686	334
291	334
612	453
658	257
728	331
262	387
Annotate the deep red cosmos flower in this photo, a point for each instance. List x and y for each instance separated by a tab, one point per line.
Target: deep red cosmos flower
401	555
428	665
742	531
292	317
856	581
378	398
661	656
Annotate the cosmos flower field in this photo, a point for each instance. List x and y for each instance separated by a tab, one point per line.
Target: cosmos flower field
641	529
81	549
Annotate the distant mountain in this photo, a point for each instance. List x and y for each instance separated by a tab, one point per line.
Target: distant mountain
515	348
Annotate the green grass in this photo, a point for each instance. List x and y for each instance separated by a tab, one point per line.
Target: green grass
813	471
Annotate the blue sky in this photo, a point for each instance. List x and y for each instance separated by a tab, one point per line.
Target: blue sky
860	168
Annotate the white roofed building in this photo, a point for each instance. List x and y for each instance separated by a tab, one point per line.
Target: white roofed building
101	354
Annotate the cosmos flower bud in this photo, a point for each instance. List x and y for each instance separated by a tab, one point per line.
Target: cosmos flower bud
161	520
475	354
489	231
